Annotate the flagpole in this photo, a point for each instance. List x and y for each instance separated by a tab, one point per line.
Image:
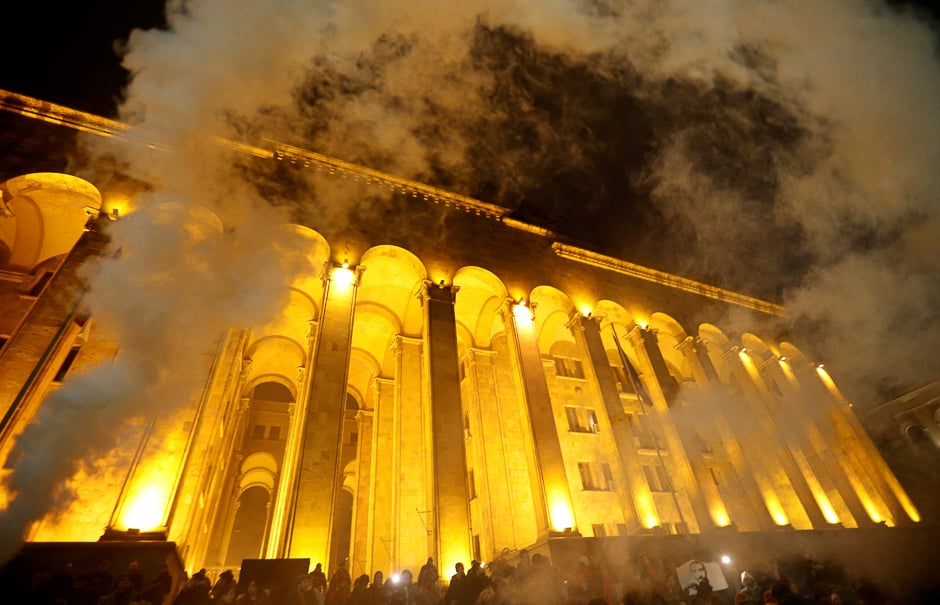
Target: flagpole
646	400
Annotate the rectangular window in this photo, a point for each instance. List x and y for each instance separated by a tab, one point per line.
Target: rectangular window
353	439
463	370
592	421
476	547
574	423
641	436
599	530
66	364
656	477
568	367
587	478
663	477
274	433
608	476
471	485
581	420
258	431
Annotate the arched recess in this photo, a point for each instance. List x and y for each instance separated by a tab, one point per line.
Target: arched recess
374	330
273	388
259	468
670	334
793	354
717	346
250	524
763	355
757	347
363	368
45	215
305	252
294	319
617	320
275	355
553	310
477	306
393	278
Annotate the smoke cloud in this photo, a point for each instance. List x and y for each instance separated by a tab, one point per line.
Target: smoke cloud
783	148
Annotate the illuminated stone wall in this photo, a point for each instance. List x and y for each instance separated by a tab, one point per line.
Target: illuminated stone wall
318	427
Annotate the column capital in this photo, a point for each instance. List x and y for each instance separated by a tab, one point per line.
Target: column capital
350	274
438	292
575	321
245	370
474	355
686	345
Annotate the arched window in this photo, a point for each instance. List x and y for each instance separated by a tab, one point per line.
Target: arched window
272	391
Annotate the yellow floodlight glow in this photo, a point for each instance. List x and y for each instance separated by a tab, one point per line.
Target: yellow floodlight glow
116	206
145	507
775	508
720	515
561	516
523	312
343	276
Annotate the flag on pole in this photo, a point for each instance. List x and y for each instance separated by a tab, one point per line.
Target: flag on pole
638	387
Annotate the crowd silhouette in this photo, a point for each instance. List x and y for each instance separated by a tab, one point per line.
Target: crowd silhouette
511	579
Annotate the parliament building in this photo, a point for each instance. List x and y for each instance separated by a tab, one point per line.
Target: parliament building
421	396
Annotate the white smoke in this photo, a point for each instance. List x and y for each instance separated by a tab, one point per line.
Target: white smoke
399	86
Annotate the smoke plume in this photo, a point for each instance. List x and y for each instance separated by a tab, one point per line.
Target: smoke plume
783	148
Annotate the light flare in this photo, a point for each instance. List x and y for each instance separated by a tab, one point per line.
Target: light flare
145	507
560	512
342	277
523	313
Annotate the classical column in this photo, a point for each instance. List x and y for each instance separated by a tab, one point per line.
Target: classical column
692	437
704	371
451	500
663	389
553	506
636	499
819	453
873	480
319	474
788	454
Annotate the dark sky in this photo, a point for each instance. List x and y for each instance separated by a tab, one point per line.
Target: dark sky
72	57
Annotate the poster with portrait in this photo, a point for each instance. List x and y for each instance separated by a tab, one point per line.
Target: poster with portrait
699	578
